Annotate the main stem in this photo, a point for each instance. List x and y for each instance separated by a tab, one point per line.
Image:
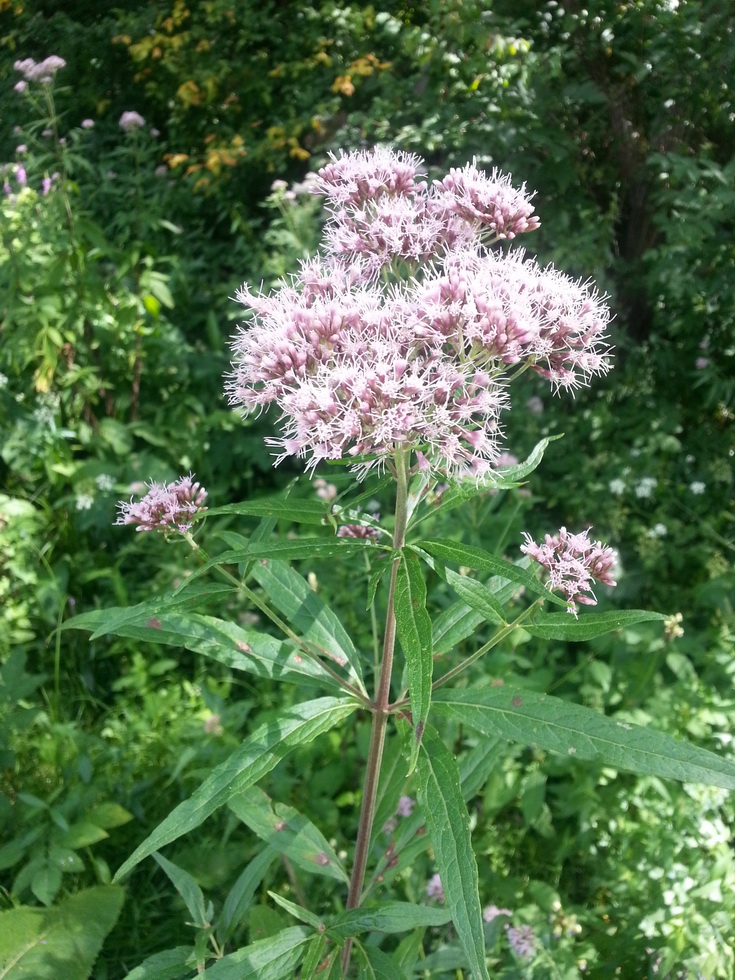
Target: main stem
379	707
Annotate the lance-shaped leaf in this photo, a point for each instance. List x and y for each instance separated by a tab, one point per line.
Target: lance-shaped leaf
307	613
289	832
575	731
274	958
414	631
189	890
562	626
477	596
504	479
459	621
228	643
240	896
483	561
377	965
171	964
114	620
386	917
284	508
257	755
448	824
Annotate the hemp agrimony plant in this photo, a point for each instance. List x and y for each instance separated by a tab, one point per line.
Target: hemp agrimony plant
393	353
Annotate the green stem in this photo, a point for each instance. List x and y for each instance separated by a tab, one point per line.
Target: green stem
380	707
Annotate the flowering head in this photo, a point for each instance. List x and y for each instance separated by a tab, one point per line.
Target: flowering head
166	507
363	362
130	121
42	71
435	889
573	562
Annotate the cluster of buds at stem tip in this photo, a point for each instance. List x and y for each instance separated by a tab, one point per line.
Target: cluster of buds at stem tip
573	563
404	334
38	71
166	507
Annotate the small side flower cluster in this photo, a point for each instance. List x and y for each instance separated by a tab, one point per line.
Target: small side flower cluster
41	71
130	121
166	507
573	562
402	337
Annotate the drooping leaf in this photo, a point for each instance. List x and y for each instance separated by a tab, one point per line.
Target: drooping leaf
104	621
483	561
386	917
172	964
477	596
257	755
562	626
289	832
505	479
61	941
307	613
188	888
414	631
284	508
274	958
297	911
377	965
448	825
240	896
575	731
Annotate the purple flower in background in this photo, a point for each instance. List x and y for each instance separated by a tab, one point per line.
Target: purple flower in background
21	176
165	507
491	912
522	940
701	363
572	562
46	185
434	888
87	123
42	71
359	531
20	86
130	121
21	150
405	806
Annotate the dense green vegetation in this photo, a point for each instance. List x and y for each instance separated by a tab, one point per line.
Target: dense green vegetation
120	250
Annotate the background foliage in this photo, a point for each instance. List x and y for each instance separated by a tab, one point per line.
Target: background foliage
115	309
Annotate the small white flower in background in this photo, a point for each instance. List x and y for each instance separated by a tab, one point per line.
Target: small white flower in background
645	487
535	405
131	120
616	486
3	379
657	531
491	912
690	459
635	452
105	482
697	487
325	491
84	501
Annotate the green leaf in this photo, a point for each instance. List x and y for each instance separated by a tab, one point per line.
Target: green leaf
291	550
448	824
307	613
377	965
274	958
284	508
62	941
477	596
290	832
257	755
504	479
575	731
189	890
562	626
169	965
314	958
297	911
109	815
414	631
240	896
388	917
104	621
483	561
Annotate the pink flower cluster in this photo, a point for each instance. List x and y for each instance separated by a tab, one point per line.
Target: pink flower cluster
166	507
573	562
131	120
42	71
402	337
